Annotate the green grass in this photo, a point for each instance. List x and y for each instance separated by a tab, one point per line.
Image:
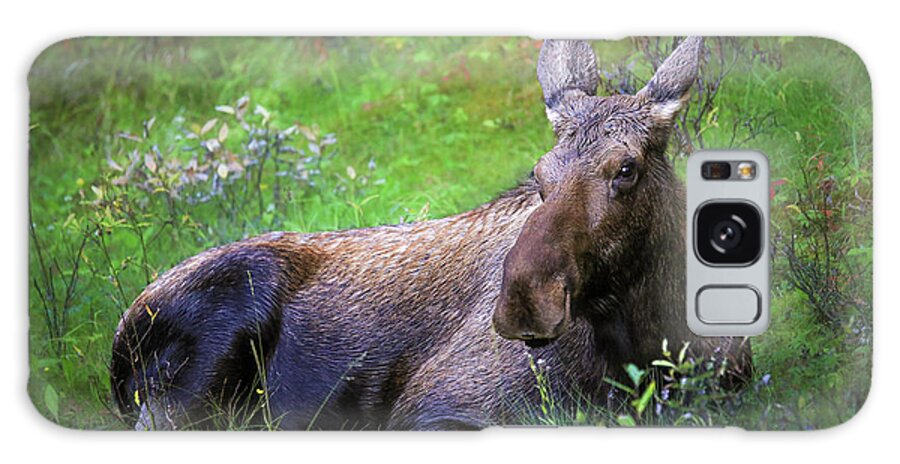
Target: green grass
447	124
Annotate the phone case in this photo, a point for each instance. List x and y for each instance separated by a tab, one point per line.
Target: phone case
415	233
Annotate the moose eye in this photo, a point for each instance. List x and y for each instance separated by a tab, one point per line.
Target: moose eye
626	177
627	170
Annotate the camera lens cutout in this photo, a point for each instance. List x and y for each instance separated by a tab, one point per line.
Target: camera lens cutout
728	233
716	170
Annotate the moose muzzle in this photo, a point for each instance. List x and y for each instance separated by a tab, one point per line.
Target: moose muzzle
533	313
539	277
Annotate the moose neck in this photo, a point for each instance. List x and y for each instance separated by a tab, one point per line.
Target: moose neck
643	303
660	292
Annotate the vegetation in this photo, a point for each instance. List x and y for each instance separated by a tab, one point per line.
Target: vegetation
144	152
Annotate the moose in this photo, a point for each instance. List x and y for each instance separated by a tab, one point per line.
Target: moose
437	324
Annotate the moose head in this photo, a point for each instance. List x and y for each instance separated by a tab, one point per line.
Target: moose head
606	191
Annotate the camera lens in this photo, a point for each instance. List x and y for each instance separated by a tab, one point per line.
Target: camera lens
728	233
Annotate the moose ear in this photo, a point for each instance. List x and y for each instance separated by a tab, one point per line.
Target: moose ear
668	88
567	69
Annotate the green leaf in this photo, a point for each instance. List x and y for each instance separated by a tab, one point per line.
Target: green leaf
641	403
618	385
580	417
635	373
663	363
682	353
51	400
626	421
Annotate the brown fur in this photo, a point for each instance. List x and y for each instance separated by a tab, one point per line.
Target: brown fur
397	326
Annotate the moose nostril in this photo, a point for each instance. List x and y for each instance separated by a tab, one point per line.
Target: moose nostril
537	343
